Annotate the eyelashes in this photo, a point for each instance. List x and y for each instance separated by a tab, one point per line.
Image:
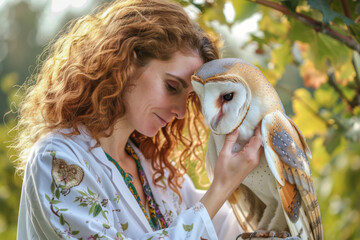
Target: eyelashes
172	86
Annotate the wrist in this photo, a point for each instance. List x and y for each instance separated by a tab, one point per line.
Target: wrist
216	196
228	183
221	187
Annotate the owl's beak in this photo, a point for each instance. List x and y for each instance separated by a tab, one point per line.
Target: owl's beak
215	121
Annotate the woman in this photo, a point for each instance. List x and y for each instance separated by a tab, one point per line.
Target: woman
100	128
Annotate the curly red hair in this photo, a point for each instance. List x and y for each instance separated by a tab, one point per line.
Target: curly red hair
82	80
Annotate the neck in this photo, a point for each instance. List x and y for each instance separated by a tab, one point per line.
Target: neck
114	145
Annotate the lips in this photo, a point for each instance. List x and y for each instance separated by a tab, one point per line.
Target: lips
162	121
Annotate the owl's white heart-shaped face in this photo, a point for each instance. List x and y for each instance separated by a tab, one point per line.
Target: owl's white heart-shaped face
224	103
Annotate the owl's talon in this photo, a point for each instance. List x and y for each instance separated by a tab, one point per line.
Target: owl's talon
266	235
253	234
273	235
287	233
239	236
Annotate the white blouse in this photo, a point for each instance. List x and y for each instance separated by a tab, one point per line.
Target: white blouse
71	192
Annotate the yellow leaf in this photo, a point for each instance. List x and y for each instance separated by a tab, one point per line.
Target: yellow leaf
345	73
356	111
276	25
306	114
326	97
281	57
320	157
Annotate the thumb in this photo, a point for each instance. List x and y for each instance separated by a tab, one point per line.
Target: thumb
230	140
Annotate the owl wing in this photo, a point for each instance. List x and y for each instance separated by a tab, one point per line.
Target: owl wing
247	207
287	155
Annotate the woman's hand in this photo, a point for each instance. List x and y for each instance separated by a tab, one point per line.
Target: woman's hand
231	169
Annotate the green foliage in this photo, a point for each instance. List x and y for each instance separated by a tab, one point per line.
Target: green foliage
328	14
10	186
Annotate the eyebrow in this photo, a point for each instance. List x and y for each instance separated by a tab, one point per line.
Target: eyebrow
182	81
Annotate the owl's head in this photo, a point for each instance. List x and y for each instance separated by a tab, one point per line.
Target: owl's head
224	95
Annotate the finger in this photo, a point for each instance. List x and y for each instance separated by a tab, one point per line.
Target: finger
255	141
230	140
258	130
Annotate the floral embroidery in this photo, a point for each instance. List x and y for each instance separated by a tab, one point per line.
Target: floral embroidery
64	178
91	199
198	207
169	215
95	237
117	198
156	219
164	234
176	201
188	229
66	233
119	236
124	226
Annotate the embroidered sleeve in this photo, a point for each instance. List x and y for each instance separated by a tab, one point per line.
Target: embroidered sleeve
193	223
65	200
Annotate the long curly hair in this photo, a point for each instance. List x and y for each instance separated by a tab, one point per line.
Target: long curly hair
81	82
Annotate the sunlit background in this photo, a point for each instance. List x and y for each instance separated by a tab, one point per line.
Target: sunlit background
315	76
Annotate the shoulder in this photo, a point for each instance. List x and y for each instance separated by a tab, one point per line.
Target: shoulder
65	161
57	141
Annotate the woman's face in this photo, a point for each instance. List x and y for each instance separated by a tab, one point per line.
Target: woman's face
160	93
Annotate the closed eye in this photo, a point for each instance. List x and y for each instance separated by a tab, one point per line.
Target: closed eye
172	86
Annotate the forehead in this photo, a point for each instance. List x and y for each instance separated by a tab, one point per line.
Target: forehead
181	65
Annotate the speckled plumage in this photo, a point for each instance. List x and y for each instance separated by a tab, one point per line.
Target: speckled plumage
279	193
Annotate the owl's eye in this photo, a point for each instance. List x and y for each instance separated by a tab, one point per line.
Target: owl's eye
227	97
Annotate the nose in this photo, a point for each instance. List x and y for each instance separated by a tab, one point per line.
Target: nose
179	108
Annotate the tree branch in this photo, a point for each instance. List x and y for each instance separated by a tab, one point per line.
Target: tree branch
332	82
346	9
316	25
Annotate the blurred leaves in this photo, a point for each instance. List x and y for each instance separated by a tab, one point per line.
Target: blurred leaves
328	14
243	9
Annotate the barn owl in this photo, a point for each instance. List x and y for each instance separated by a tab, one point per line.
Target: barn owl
278	196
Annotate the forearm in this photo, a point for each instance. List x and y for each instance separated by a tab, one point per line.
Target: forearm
216	196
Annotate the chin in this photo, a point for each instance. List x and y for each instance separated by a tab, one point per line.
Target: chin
150	132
